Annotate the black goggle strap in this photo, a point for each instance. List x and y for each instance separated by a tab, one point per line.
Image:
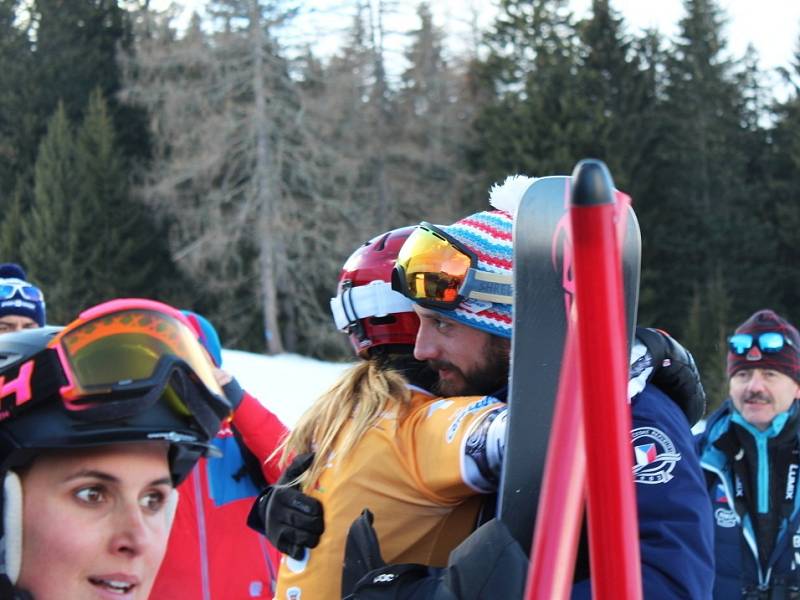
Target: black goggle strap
41	378
205	408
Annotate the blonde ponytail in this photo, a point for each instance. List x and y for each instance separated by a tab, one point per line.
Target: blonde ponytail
362	395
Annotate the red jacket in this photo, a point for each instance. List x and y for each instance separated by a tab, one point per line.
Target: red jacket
212	555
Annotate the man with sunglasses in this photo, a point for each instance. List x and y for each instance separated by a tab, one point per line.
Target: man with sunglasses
750	452
21	303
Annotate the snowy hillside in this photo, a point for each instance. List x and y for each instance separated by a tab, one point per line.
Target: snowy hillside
286	384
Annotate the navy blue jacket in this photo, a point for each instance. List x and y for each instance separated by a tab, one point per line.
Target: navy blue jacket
738	563
675	527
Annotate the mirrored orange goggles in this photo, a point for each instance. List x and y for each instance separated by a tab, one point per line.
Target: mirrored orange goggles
436	270
123	346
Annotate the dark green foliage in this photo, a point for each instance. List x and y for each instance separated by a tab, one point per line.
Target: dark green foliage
11	235
119	251
527	125
46	235
712	163
86	240
18	124
51	53
682	129
782	211
76	52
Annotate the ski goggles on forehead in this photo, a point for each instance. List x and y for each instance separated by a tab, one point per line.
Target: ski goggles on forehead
125	347
438	271
10	288
768	342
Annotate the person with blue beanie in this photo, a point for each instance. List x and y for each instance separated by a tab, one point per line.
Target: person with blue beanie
21	303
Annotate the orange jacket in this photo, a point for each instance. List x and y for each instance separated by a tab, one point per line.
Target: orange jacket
410	472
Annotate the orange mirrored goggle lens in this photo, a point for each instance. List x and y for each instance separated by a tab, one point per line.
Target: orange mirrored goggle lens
433	269
124	347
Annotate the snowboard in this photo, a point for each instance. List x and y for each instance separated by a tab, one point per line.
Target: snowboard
543	297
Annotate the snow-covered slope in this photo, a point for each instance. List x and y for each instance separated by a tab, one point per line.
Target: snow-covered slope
286	384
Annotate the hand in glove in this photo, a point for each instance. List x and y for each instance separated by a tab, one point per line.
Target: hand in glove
488	564
674	372
288	518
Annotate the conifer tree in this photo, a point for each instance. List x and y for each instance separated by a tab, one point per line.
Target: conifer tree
76	51
239	168
705	333
616	96
528	126
429	130
86	239
17	144
701	168
46	233
115	244
783	183
11	225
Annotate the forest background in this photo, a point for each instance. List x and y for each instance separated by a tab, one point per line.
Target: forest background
224	166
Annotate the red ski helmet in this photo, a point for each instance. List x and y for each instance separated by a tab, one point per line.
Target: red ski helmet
365	306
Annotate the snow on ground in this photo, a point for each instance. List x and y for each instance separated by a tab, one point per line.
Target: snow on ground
286	384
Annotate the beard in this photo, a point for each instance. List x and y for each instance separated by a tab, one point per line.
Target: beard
485	379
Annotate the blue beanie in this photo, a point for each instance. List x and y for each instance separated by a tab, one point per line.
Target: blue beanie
207	335
21	298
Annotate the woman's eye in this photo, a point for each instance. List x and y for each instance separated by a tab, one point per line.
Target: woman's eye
153	501
90	495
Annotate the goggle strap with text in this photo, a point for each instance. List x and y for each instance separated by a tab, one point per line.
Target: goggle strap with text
39	377
489	287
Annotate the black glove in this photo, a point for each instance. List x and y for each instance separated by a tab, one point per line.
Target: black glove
489	564
288	518
362	552
674	372
233	392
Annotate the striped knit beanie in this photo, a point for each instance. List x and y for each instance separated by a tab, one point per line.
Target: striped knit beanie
488	235
787	361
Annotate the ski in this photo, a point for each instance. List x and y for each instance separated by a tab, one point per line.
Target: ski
543	296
